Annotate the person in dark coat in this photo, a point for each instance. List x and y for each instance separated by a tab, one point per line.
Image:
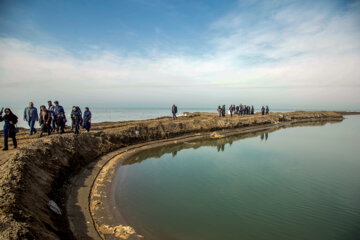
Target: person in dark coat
262	110
10	120
223	110
252	109
59	117
174	111
231	110
76	115
31	116
267	109
51	109
45	121
87	119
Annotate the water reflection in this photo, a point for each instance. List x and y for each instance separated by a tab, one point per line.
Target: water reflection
219	144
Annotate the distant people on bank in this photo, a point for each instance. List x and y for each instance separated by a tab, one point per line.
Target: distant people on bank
262	110
59	117
31	116
87	119
219	111
231	110
76	116
45	120
267	109
252	109
10	129
174	111
223	110
51	109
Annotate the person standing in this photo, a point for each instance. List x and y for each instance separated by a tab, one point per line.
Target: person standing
231	110
87	119
252	109
76	115
31	116
174	111
267	110
51	109
59	117
219	111
262	110
10	120
223	110
45	121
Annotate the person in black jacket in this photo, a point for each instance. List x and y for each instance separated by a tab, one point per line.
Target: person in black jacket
76	115
87	119
174	111
44	120
10	120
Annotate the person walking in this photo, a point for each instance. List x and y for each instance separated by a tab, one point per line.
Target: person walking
51	109
10	120
267	109
262	110
87	119
59	117
45	121
76	115
31	116
231	110
174	111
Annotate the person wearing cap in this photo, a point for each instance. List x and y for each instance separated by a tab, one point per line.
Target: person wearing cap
59	117
31	116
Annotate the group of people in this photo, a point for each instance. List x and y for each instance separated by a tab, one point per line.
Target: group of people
50	119
240	110
53	118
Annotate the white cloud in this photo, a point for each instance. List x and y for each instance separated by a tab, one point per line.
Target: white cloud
292	52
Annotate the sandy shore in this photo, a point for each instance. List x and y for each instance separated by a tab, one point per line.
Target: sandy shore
56	167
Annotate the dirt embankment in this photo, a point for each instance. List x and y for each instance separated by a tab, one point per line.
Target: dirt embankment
38	170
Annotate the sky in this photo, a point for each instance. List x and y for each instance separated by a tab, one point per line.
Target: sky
152	53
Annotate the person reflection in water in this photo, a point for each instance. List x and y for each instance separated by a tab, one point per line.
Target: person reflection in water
266	136
262	136
220	147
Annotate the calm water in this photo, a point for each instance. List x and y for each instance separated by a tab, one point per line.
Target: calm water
295	183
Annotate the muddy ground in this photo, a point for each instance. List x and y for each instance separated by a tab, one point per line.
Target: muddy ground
39	170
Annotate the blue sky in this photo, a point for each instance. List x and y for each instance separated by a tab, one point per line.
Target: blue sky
194	53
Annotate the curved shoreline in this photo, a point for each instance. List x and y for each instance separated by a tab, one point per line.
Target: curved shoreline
40	169
110	224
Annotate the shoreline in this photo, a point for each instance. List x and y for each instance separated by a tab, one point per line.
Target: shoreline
40	171
109	222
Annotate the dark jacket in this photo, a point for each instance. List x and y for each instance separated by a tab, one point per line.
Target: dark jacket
76	115
87	116
9	128
45	119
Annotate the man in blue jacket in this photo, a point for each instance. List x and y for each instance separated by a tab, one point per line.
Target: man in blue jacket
31	116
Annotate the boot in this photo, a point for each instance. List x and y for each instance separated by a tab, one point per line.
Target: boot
14	142
5	144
